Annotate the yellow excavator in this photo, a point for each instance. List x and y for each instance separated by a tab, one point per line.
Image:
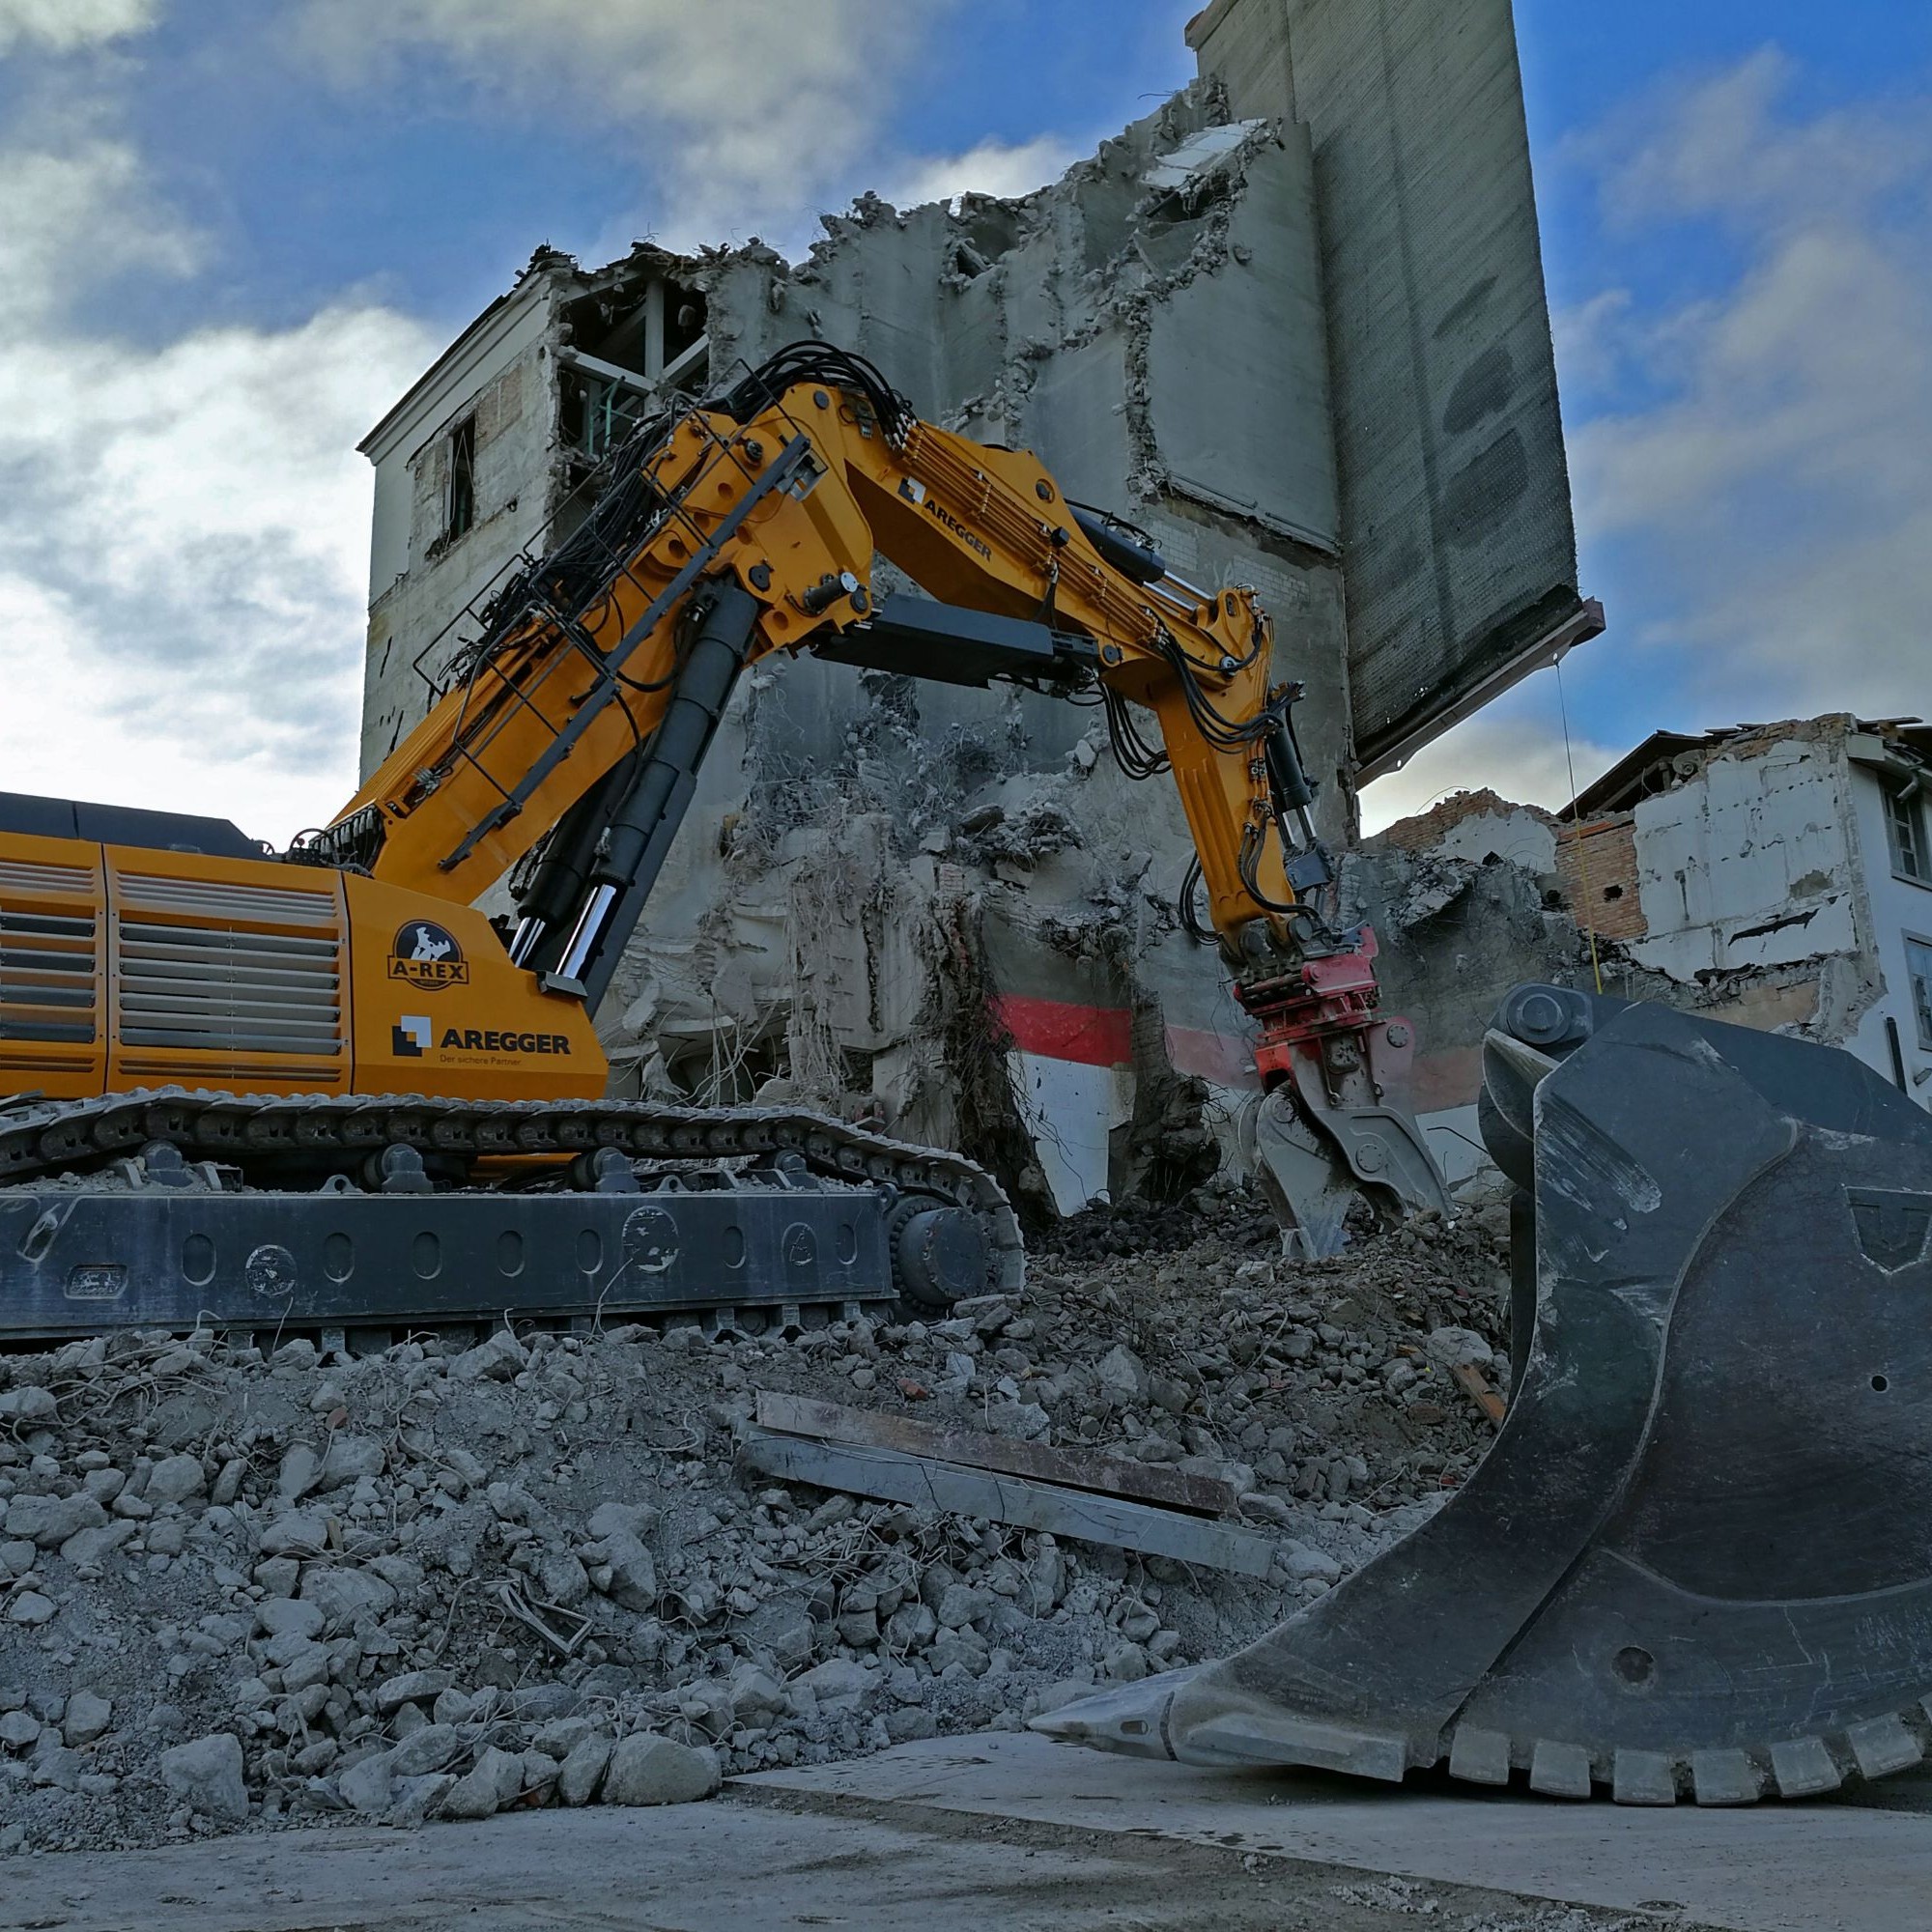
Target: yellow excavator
319	1090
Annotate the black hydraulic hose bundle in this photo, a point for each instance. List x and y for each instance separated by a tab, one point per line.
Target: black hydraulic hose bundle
817	362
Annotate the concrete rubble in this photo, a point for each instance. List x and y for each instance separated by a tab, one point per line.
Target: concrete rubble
449	1581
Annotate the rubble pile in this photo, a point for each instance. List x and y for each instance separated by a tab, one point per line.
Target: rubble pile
243	1587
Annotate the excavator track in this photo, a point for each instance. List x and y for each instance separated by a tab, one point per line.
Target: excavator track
148	1210
1697	1562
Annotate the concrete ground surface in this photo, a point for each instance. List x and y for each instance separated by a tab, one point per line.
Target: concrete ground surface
1009	1831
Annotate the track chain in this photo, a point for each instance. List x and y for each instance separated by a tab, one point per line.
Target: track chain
39	1140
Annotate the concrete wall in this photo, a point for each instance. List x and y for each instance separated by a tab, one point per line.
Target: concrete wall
419	582
1152	326
1466	902
1751	867
1456	516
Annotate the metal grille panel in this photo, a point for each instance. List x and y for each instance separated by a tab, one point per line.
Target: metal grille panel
49	959
27	876
230	992
219	899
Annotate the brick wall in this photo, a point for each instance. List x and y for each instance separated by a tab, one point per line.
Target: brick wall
1597	863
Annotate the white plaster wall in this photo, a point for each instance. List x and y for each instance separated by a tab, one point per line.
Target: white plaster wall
390	527
1070	1110
1520	836
1899	907
414	595
1749	865
439	399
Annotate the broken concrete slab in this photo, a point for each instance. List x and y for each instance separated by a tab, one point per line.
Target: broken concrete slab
713	1869
956	1834
1076	1470
1092	1518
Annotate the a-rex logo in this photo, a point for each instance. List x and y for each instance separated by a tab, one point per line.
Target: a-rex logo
426	956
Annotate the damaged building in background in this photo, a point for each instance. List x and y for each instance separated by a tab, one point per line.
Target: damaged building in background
1775	876
1293	326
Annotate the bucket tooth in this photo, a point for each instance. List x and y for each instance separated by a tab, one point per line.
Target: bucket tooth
1129	1721
1803	1768
1643	1777
1559	1771
1479	1757
1725	1778
1883	1745
1223	1727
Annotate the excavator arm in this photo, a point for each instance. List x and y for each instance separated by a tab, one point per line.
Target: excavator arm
567	739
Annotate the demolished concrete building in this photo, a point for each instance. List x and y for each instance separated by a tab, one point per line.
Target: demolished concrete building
1773	876
1293	324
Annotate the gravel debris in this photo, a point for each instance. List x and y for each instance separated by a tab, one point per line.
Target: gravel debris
467	1573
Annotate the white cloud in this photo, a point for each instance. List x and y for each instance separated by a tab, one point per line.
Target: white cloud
183	567
60	26
92	192
749	111
1590	342
1724	146
1773	505
993	167
1523	759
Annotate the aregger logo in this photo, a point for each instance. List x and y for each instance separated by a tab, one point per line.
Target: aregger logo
914	492
477	1040
409	1037
427	956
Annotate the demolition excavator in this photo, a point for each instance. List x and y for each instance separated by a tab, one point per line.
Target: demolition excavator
319	1090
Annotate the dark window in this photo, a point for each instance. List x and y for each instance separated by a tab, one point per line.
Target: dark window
1905	827
461	511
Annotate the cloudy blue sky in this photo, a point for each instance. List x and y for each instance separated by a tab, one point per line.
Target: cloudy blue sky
231	231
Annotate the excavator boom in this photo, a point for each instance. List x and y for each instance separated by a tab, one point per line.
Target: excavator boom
749	525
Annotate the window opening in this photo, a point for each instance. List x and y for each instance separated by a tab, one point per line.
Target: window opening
1905	823
460	505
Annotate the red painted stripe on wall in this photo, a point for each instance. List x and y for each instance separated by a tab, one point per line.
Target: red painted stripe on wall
1061	1030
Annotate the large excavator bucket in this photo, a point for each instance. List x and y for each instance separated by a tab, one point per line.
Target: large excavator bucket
1697	1560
